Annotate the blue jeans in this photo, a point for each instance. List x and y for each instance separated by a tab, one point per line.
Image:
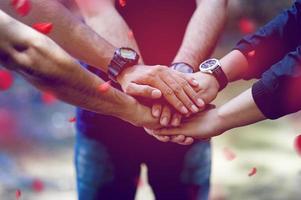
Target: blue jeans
108	172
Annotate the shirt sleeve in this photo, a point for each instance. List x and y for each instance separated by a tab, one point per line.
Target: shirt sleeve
272	41
278	92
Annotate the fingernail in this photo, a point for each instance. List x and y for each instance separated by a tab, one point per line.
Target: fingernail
195	82
184	110
200	102
156	113
194	109
164	121
175	122
156	94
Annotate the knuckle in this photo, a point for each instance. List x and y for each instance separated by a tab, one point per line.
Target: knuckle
177	89
184	84
168	92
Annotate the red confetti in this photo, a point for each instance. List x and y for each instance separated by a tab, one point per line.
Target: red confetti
251	53
72	119
44	28
105	86
253	171
22	7
6	80
18	194
48	98
229	155
298	144
37	185
246	26
122	3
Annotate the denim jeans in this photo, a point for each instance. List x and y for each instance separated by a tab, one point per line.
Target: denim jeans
103	173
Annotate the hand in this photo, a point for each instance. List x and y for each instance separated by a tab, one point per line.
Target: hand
204	125
154	81
208	86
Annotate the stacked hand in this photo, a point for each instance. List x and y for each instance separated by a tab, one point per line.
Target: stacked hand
176	95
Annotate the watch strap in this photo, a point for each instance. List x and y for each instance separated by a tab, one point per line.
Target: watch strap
221	77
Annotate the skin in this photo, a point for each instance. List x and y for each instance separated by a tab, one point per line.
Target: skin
228	116
196	47
44	64
70	33
216	121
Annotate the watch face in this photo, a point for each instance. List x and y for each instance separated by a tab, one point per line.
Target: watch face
209	65
128	54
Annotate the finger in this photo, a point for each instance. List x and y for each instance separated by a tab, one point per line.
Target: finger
172	82
170	96
196	97
165	116
156	110
158	137
188	141
178	139
176	119
146	91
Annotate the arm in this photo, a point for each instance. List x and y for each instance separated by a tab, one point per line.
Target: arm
202	32
216	121
48	67
69	32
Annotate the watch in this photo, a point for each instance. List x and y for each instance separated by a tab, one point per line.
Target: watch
123	58
182	67
213	66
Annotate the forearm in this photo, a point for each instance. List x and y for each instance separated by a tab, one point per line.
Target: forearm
69	32
107	22
202	32
48	67
240	111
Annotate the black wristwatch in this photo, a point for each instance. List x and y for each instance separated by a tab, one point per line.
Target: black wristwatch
213	66
182	67
123	58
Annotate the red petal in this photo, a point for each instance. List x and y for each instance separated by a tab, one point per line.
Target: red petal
229	155
37	185
253	171
48	98
105	86
72	119
6	80
22	7
298	144
44	28
251	53
246	26
122	3
18	194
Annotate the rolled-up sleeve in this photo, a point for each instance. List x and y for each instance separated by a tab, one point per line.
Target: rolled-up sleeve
272	41
278	92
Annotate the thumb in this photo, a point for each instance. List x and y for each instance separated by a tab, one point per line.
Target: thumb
145	91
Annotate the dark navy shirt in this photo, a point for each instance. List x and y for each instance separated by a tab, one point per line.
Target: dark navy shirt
276	59
159	27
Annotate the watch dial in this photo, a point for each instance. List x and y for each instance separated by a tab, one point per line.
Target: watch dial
128	54
208	64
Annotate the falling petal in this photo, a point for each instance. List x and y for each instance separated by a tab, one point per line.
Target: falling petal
22	7
72	119
48	98
18	194
44	28
6	80
246	26
122	3
130	34
252	172
37	185
229	155
251	53
298	144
